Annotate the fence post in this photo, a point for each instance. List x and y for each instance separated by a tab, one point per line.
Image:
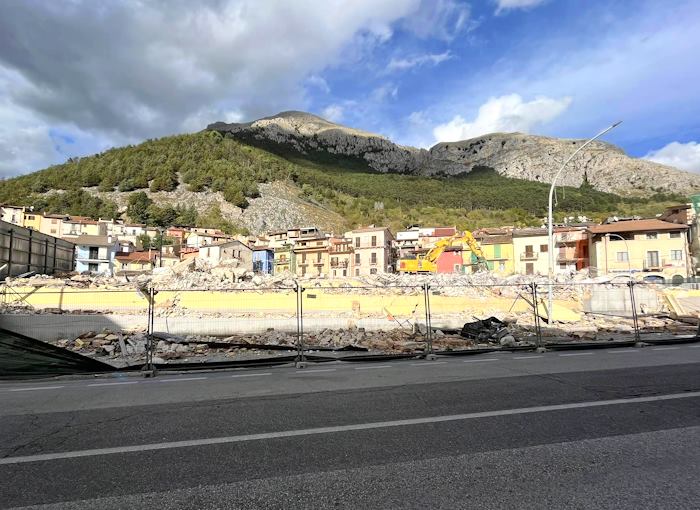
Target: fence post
29	251
536	310
300	360
428	323
9	253
635	319
46	253
149	369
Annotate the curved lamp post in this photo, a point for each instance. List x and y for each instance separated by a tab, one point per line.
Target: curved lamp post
550	227
629	264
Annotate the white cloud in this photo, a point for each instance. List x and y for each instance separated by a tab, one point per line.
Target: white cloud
685	156
504	5
137	69
403	64
333	112
442	19
384	92
506	113
318	82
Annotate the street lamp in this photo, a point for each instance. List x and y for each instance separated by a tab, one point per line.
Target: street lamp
550	227
629	264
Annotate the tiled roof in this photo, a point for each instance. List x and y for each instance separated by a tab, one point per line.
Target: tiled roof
635	226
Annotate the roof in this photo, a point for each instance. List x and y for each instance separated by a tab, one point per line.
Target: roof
635	226
137	256
369	229
502	239
226	243
87	240
81	219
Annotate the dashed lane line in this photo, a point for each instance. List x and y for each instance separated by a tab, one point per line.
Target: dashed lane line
479	360
623	351
665	348
373	367
428	363
252	375
114	383
34	388
303	372
182	379
576	354
527	357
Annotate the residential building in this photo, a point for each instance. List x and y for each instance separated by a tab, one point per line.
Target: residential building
199	238
416	239
95	254
688	214
372	247
571	249
75	226
52	224
233	253
341	254
451	260
13	214
135	262
311	254
263	259
531	251
497	247
284	259
649	245
32	220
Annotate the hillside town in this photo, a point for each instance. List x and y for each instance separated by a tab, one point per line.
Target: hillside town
663	248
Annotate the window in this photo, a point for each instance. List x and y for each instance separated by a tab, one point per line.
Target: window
94	252
497	251
652	259
357	258
456	268
674	235
374	240
676	255
373	258
501	266
92	267
528	250
303	258
208	252
622	256
357	242
345	272
652	235
334	272
529	268
318	257
544	248
303	271
373	270
357	272
334	262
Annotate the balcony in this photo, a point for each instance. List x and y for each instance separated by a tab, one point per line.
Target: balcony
339	263
529	256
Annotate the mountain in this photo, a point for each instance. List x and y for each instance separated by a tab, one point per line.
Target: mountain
537	158
297	169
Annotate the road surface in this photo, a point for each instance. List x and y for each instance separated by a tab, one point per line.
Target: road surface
615	428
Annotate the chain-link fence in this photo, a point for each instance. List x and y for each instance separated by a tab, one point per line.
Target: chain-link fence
322	320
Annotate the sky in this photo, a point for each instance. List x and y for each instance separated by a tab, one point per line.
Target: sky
80	76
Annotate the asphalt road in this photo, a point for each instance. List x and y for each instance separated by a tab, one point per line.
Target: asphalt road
580	429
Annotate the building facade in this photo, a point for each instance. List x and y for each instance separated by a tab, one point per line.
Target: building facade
640	246
263	260
233	253
311	254
372	250
95	254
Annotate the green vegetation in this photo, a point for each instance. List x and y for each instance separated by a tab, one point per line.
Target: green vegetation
209	162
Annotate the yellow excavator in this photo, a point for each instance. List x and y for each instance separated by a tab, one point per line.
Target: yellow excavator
428	262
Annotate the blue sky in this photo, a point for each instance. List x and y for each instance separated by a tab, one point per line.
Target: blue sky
79	77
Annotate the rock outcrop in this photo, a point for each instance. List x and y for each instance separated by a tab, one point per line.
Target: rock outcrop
516	155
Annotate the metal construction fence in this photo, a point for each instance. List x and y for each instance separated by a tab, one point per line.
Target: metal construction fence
324	319
23	250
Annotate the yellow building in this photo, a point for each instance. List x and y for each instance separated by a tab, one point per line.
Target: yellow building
640	246
340	253
531	251
497	247
311	256
32	220
52	224
284	259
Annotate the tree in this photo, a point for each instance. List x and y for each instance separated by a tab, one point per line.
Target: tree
137	209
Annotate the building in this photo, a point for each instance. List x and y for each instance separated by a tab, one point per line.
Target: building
571	249
263	260
497	247
197	239
32	220
233	253
135	262
416	239
52	224
75	226
649	245
687	214
531	251
95	254
311	254
284	259
340	253
12	214
451	260
372	247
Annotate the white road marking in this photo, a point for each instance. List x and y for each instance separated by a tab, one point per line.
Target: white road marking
526	357
113	383
252	375
577	354
336	429
372	367
34	388
426	363
315	371
622	351
694	346
479	360
664	348
180	379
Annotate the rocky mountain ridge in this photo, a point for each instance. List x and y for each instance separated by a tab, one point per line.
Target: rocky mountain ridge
537	158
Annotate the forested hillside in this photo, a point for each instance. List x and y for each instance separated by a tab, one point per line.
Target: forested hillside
208	162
